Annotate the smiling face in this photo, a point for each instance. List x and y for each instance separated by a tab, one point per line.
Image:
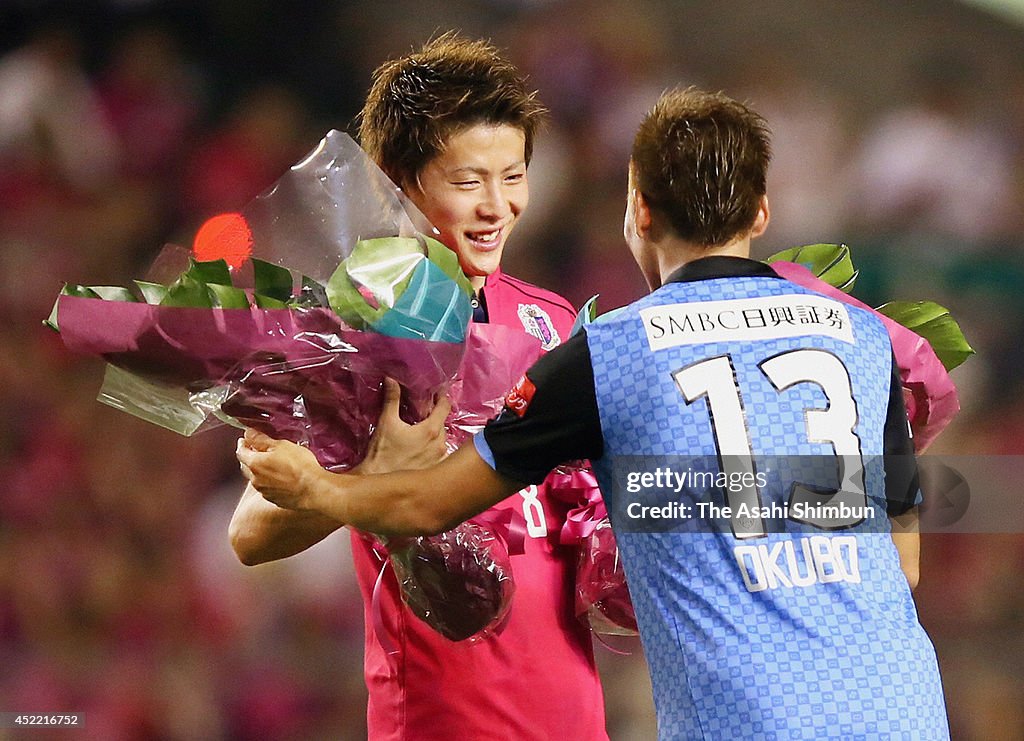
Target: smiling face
473	192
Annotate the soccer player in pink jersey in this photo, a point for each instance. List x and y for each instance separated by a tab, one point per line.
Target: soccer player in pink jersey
453	124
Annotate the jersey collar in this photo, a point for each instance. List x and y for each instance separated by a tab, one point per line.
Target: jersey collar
492	280
721	266
481	315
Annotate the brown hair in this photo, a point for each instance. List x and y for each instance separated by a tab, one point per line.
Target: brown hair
701	159
418	101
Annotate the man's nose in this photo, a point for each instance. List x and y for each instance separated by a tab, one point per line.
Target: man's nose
494	203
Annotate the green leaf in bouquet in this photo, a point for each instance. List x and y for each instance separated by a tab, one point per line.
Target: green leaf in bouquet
268	302
311	295
69	289
271	280
73	289
829	262
114	293
51	321
227	297
448	261
384	265
345	300
587	314
188	292
212	271
190	289
152	293
935	324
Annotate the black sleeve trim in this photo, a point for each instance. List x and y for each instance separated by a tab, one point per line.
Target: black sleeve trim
560	422
901	476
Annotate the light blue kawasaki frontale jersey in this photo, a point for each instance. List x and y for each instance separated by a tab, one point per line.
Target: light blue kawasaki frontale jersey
743	421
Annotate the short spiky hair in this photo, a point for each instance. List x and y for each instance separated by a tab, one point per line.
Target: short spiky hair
418	101
701	159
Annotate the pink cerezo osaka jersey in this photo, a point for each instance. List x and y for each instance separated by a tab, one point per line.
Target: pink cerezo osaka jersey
536	679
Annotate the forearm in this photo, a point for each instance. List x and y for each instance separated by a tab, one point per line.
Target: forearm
906	535
410	503
260	531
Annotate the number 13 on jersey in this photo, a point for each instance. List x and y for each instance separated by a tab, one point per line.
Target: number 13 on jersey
716	379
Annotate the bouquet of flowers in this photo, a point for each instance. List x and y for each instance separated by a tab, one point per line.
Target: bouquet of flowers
287	317
927	343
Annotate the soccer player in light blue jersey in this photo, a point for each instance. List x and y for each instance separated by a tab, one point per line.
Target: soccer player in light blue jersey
752	445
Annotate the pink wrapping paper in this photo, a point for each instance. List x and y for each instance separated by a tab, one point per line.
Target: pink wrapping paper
299	375
304	376
496	358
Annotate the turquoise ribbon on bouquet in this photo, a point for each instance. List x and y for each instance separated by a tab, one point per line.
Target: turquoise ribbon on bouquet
432	307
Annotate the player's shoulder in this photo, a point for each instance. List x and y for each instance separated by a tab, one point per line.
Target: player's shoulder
530	293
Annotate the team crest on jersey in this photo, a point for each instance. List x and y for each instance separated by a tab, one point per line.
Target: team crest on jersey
537	323
518	399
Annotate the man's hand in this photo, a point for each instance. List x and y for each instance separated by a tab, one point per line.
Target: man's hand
397	446
285	473
279	470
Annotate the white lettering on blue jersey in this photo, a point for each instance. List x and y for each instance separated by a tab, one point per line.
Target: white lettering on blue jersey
820	559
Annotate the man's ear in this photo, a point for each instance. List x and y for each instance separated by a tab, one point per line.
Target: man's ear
642	218
762	218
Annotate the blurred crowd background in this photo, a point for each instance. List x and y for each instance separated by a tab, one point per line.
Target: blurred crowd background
898	129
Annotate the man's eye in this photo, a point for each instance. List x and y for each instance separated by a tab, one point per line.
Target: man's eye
518	177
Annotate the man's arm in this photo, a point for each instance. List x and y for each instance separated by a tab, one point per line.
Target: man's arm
260	531
405	503
553	418
906	535
902	481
